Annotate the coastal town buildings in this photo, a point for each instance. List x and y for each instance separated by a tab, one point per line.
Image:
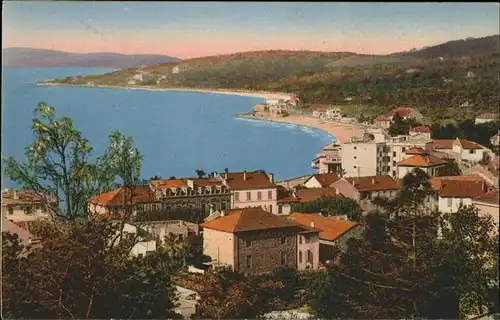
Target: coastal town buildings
385	121
161	229
382	121
329	160
27	205
146	243
495	140
365	189
180	68
321	180
430	164
319	113
488	205
334	113
463	150
453	192
334	234
364	157
278	110
25	237
420	130
287	199
254	241
486	117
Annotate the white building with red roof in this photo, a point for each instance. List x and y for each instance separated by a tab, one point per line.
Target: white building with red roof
420	130
486	117
463	149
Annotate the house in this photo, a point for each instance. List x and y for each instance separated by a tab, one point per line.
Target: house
422	130
486	117
322	180
180	68
293	101
162	229
25	237
278	110
254	241
251	189
260	109
364	157
329	160
288	198
432	165
488	204
334	232
319	113
365	189
28	205
383	121
146	243
463	149
495	140
397	147
453	192
334	113
271	102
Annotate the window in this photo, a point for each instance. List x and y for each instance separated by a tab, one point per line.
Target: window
300	256
11	211
300	239
306	239
280	209
283	258
404	149
140	255
354	167
259	195
236	196
270	209
309	256
355	148
394	153
394	163
355	157
472	151
249	196
248	242
450	202
270	194
249	261
283	240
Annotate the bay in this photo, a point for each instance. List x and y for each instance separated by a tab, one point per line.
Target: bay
176	132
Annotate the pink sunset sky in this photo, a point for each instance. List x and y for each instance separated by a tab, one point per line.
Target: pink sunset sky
199	29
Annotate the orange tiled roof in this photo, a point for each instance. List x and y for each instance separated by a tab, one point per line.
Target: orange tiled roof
254	180
332	229
420	160
443	144
285	196
326	179
402	112
462	187
437	181
490	197
383	118
248	219
311	194
469	145
416	150
168	183
120	196
373	183
421	129
24	197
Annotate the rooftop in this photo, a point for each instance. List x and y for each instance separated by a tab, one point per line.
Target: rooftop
443	144
422	160
305	195
325	179
332	228
248	219
14	197
459	188
120	196
469	145
487	116
373	183
421	129
416	150
248	180
490	197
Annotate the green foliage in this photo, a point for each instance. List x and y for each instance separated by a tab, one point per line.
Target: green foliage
331	206
480	133
400	126
451	169
80	271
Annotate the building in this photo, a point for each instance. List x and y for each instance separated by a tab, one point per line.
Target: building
329	160
486	117
28	205
278	110
322	180
463	150
25	237
180	68
287	199
334	113
271	102
432	165
146	243
397	147
260	110
334	232
488	204
365	189
452	192
251	189
319	113
162	229
364	157
495	140
254	241
383	121
293	102
420	130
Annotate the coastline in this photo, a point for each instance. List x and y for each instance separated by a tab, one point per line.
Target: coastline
341	131
241	93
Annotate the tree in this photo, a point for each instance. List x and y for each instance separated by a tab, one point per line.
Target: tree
79	273
331	206
155	178
200	173
451	169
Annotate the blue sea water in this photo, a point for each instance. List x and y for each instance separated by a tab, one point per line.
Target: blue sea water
176	132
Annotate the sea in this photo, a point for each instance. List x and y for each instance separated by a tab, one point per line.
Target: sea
176	132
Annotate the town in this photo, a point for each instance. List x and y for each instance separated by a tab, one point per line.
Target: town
254	225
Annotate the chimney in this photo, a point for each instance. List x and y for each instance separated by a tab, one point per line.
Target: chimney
312	224
222	213
244	175
190	183
294	192
225	175
271	177
337	191
14	195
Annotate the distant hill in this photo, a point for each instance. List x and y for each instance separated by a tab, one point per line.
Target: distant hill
458	48
31	57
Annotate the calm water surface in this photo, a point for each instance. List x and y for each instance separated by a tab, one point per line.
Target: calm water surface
177	132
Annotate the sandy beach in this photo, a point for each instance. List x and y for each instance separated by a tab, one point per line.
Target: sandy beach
342	131
242	93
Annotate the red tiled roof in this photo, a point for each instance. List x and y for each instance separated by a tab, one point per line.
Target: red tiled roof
121	196
373	183
490	197
421	129
402	112
248	219
436	182
459	187
443	144
285	195
416	150
420	160
254	180
487	116
383	118
469	145
332	229
326	179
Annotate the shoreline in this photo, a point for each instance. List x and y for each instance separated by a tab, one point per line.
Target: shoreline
342	132
241	93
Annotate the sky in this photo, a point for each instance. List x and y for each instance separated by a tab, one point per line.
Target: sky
194	29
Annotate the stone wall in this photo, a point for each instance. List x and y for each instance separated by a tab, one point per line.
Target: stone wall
265	249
